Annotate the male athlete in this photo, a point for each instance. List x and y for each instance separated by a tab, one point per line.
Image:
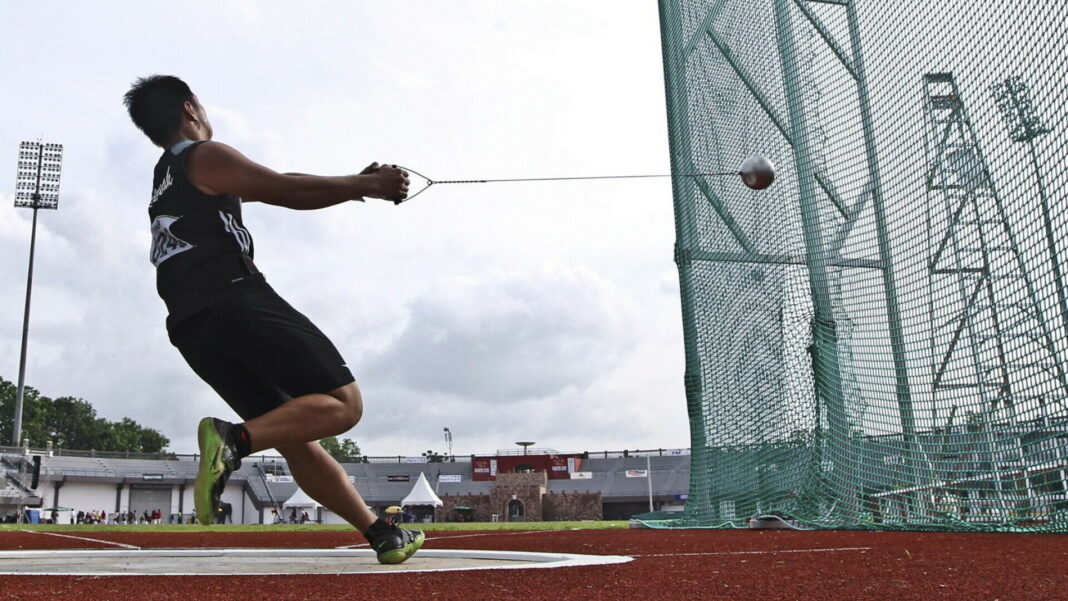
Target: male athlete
264	358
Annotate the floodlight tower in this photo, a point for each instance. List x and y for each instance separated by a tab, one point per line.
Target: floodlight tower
36	187
448	440
1013	98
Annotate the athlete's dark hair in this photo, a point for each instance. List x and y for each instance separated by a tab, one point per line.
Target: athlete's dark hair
155	105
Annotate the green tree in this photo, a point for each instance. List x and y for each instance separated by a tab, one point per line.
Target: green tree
72	423
128	435
340	449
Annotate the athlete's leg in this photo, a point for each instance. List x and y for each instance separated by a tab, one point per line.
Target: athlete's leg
320	475
306	418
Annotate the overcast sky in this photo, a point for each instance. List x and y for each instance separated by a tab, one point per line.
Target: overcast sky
505	312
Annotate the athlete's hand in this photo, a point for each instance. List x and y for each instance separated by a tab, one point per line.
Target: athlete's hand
390	182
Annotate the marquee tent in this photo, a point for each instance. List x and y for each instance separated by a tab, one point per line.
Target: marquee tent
421	494
300	499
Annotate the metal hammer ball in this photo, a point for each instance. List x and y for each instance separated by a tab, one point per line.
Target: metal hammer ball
757	172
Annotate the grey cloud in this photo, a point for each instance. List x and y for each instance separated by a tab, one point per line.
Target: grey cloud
508	337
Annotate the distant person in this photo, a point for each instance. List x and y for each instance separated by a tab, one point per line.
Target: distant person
272	365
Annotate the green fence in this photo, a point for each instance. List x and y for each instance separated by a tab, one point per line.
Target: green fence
879	339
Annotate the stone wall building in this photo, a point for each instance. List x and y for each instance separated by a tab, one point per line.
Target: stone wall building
521	497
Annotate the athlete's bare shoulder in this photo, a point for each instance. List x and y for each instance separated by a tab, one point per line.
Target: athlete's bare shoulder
214	166
213	151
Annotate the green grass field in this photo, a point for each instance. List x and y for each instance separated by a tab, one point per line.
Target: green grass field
436	527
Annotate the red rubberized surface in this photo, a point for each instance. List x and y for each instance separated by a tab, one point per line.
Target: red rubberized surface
668	565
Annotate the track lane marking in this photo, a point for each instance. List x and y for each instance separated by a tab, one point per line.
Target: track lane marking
512	533
93	540
768	552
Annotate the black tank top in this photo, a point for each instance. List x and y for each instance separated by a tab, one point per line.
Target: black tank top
200	247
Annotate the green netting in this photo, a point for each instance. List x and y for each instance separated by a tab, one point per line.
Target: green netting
879	339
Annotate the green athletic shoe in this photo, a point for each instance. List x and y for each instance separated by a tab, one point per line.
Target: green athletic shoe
217	460
393	544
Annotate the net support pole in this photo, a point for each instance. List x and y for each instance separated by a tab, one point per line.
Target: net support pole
825	360
671	33
893	313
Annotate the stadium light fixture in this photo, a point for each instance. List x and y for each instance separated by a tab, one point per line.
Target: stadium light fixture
36	187
37	183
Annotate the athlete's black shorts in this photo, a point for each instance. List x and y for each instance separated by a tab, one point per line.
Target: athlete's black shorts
258	352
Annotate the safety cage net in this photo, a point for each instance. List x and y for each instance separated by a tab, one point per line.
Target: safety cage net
879	339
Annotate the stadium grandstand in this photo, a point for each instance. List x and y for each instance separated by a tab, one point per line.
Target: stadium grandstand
539	485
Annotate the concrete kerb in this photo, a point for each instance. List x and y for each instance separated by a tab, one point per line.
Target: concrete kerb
259	562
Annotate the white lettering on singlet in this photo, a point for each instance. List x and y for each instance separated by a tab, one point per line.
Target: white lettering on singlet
162	187
240	234
164	243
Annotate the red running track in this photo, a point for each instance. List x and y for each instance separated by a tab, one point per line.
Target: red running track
668	566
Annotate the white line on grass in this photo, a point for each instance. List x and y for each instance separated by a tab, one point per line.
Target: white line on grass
502	533
768	552
93	540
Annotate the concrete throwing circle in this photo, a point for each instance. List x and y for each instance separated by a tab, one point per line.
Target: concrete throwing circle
243	562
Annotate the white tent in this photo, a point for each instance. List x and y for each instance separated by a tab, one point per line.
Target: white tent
421	494
300	499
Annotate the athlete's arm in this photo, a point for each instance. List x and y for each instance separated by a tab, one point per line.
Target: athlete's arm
215	168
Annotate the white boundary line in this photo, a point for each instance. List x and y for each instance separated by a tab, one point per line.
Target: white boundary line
93	540
768	552
521	560
504	533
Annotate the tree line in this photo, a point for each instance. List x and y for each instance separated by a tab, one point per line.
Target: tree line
72	423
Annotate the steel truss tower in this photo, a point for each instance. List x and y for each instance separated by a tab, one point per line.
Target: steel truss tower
993	350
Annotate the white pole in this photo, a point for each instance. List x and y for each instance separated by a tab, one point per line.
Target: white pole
649	479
